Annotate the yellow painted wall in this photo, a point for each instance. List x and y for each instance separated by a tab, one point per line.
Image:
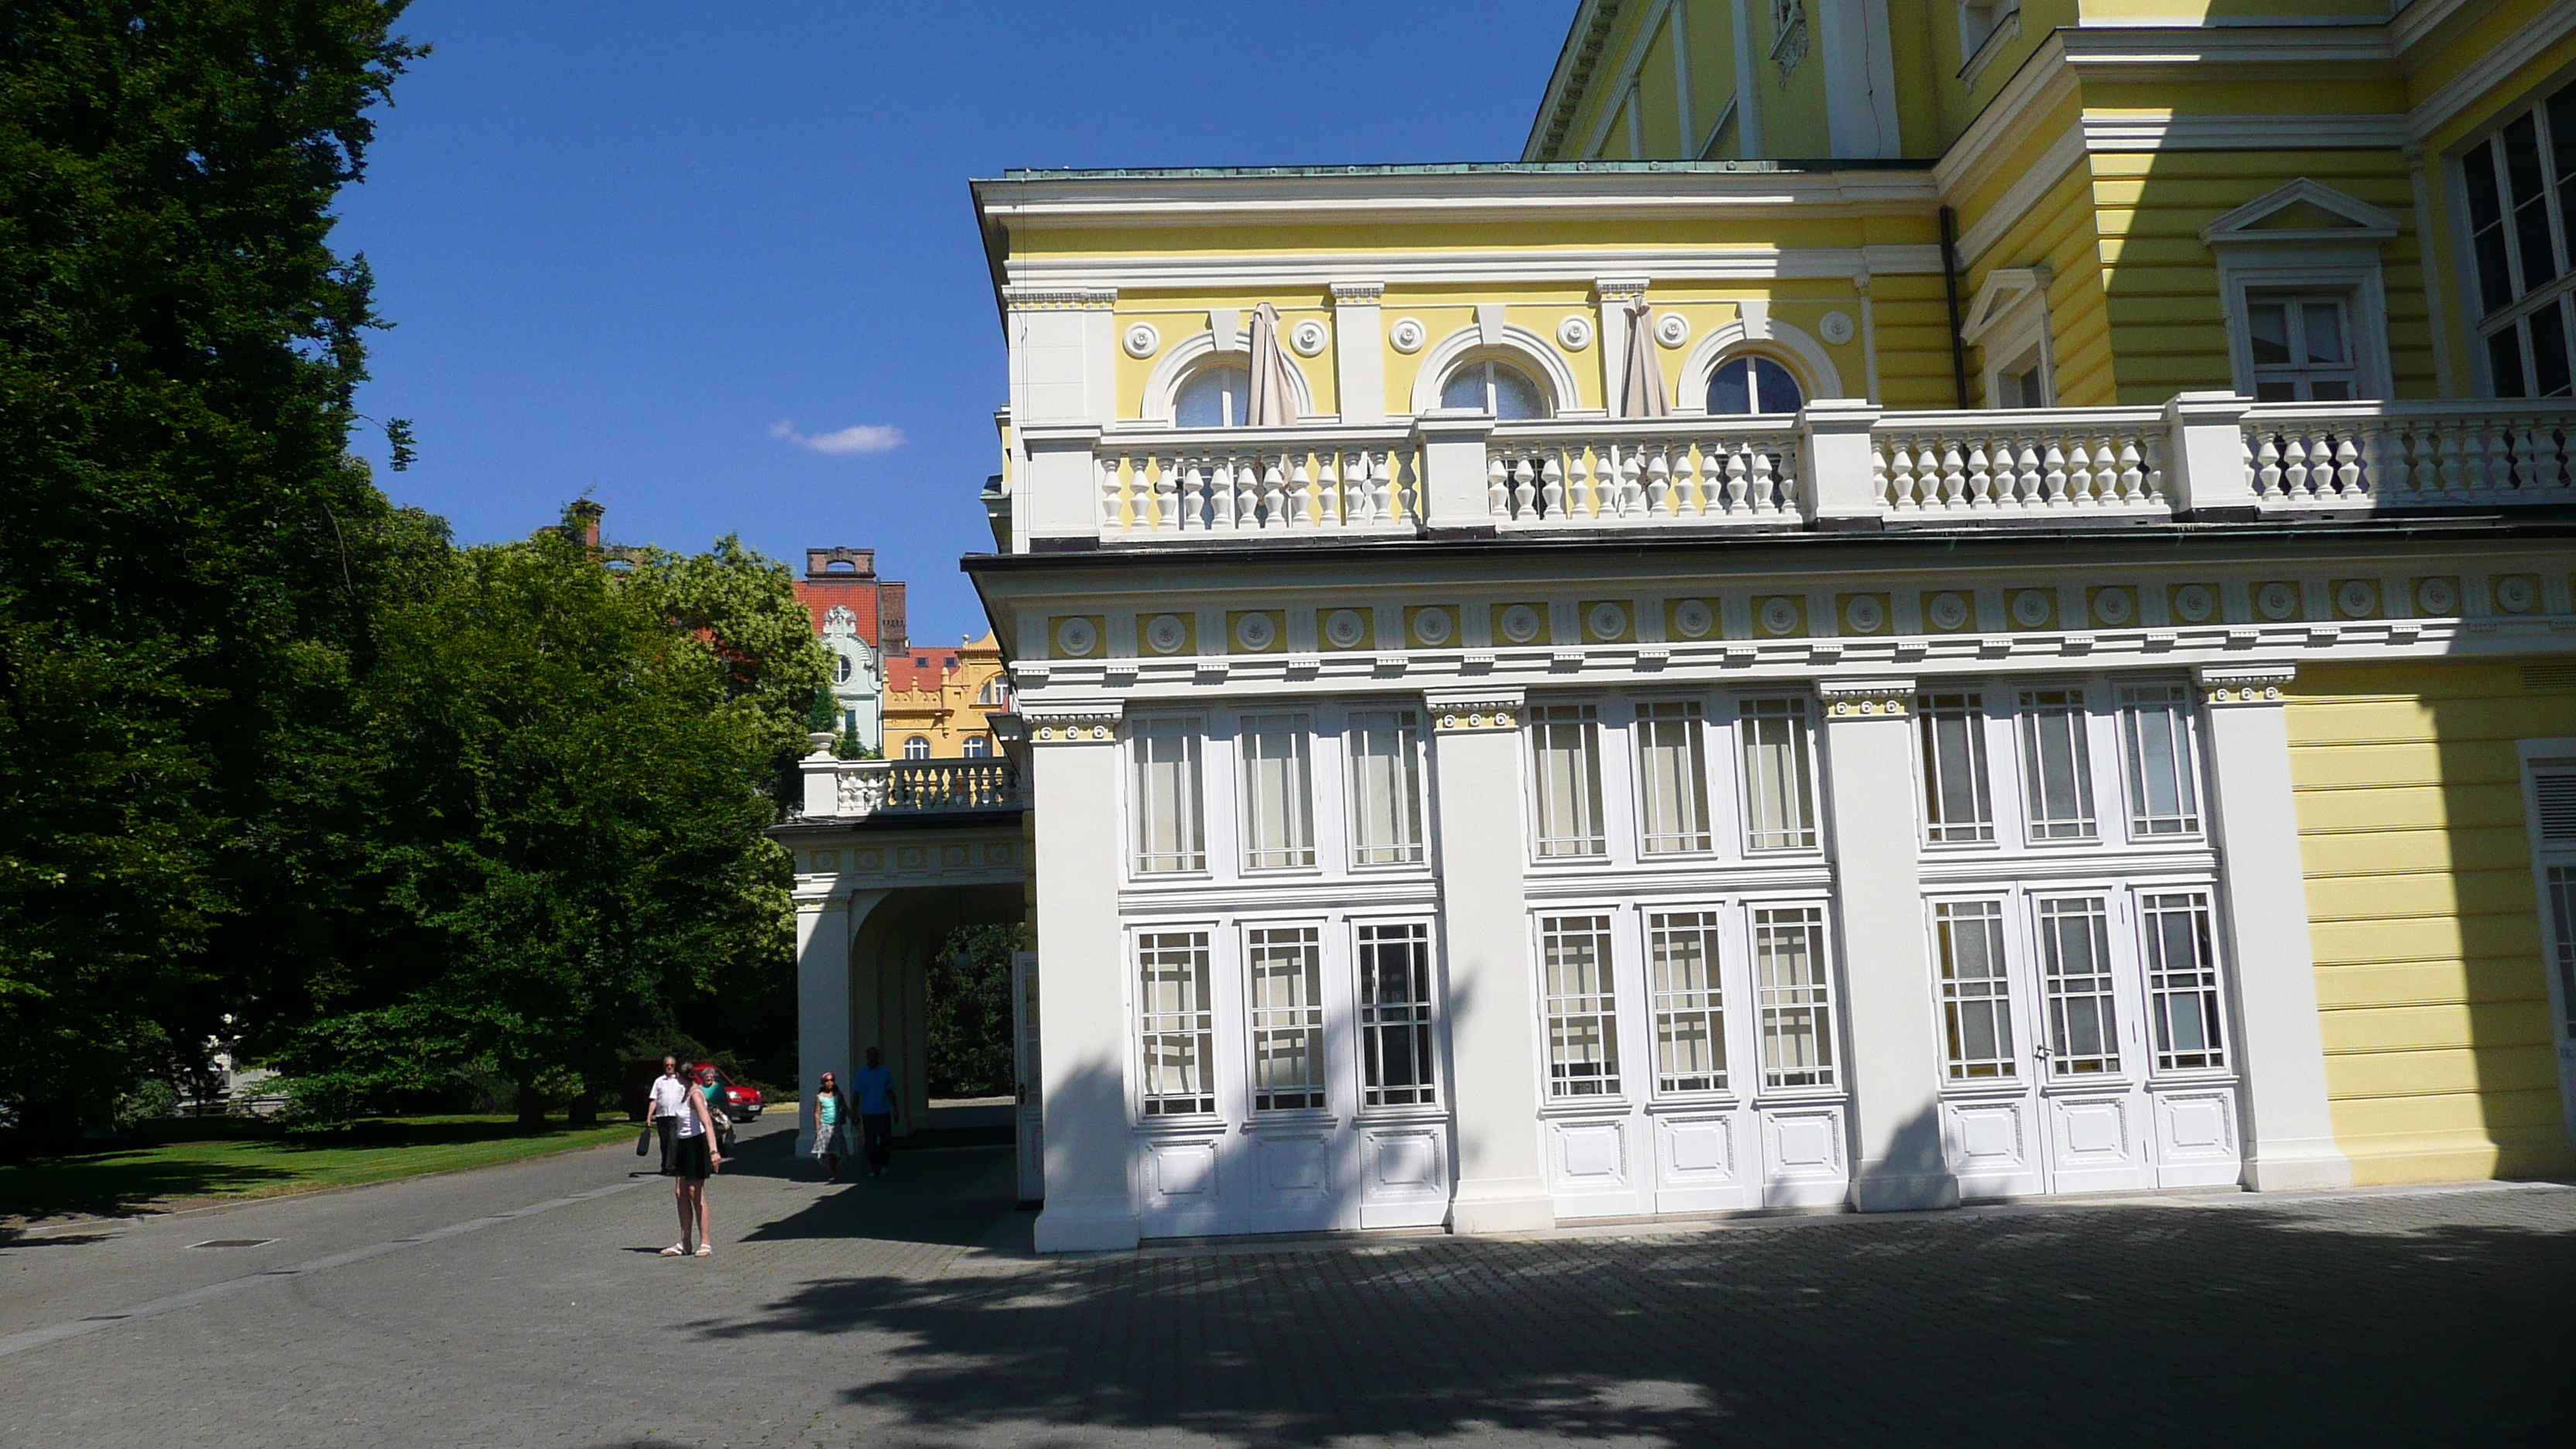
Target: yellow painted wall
2439	1058
954	712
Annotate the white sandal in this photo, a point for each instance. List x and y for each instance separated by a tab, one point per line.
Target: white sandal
676	1250
706	1250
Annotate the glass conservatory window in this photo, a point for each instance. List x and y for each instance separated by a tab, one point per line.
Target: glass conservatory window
2075	983
1493	387
1214	397
1779	792
2156	730
2182	981
1166	781
1176	1025
1565	753
1976	998
1285	1005
2057	768
1690	1015
1278	813
1954	768
1796	997
1672	778
1386	794
1396	1039
1753	384
1582	1007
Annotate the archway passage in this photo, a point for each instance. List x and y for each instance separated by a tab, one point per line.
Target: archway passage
893	952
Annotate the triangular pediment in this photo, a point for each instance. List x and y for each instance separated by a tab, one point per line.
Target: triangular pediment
2304	210
2003	289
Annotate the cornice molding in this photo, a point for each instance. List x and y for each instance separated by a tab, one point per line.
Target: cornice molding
2349	131
1670	264
2489	72
1024	298
2063	155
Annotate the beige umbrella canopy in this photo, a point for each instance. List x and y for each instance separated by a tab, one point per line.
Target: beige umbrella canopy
1273	403
1641	390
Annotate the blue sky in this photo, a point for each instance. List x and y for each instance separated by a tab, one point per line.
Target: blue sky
624	244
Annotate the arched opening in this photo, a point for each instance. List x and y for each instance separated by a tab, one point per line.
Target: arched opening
1490	384
1751	382
929	987
1218	395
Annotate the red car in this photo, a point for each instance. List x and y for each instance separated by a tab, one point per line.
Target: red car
739	1102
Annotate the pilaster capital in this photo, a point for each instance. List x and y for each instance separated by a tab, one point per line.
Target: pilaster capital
1087	723
2243	684
1367	294
1607	290
1865	698
1468	711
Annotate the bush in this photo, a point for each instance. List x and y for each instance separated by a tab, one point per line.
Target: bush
970	1012
146	1101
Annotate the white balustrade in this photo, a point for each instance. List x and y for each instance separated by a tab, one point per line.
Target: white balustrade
1641	474
1192	481
2053	463
865	788
2333	456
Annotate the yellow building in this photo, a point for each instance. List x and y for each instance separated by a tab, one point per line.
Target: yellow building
939	702
1923	601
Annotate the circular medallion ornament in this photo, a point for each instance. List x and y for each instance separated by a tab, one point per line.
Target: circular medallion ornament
1948	611
1406	335
2276	601
1076	637
2436	596
2194	603
2030	608
1520	623
1836	328
1575	333
1306	338
1672	329
1344	628
1255	631
2356	598
2516	595
1608	621
1166	634
1432	626
1692	619
1779	616
1865	615
1143	341
2114	606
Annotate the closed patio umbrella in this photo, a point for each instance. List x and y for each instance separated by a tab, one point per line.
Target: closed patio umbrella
1273	403
1641	389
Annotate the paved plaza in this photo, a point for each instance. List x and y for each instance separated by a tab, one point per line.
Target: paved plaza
524	1305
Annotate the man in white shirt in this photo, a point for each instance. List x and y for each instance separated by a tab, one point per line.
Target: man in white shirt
670	1099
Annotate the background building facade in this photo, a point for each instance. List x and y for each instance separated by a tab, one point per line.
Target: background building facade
860	619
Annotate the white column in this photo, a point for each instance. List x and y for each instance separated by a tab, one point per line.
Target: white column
1074	757
1860	78
1894	1063
1478	846
827	917
1359	351
2280	1047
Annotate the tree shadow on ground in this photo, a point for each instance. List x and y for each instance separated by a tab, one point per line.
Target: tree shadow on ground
2377	1320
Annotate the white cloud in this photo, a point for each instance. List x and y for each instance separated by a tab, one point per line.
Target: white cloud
865	438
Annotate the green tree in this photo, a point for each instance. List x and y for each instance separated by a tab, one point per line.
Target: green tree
969	1016
189	557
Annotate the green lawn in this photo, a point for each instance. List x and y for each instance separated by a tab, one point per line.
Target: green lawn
178	1161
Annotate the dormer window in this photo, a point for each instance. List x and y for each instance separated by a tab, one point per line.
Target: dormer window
1217	396
2302	348
1490	385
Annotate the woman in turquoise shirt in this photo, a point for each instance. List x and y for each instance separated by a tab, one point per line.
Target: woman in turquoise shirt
831	1126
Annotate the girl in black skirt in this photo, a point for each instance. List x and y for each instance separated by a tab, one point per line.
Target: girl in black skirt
694	1159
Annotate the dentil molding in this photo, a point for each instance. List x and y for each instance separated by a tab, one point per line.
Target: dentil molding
1865	698
2241	684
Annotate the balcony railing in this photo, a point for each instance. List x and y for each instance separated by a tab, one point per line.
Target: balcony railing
1837	464
838	789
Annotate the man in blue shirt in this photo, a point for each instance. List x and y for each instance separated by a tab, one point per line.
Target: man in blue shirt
873	1085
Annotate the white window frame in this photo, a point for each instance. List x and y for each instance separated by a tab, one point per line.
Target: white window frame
1304	1019
2558	293
1692	718
2032	713
1600	1007
1592	843
2203	980
1984	828
1800	713
2008	320
1406	724
1964	996
2556	911
1297	808
1192	857
1418	1020
2178	699
1147	1026
1774	1002
2341	260
1668	1007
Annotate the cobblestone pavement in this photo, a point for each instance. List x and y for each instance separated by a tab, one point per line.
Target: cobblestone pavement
909	1312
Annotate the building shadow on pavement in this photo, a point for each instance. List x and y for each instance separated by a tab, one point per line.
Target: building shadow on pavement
2365	1320
964	1196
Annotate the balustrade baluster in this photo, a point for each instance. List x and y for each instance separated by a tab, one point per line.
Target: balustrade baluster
1166	500
1498	490
2133	475
1382	495
2347	460
1295	512
1659	484
2054	481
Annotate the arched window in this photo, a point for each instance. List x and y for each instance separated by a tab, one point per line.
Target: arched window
977	747
1217	396
1753	383
996	693
1493	386
916	748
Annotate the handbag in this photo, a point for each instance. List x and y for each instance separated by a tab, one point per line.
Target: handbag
644	1140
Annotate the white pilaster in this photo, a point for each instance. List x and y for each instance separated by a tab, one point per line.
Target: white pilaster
826	920
1359	351
1074	757
1611	299
1453	470
1894	1065
1860	78
1493	1008
2289	1134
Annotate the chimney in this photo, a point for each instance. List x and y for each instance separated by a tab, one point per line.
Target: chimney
890	630
586	516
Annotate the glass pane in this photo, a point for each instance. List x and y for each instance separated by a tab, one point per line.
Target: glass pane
2164	800
1284	1004
2562	909
1215	398
2329	390
2478	169
2504	362
1582	1026
1690	1021
1395	1016
1779	801
1386	812
1774	390
2182	981
2057	769
1954	768
1795	997
1730	388
2075	979
2321	326
1166	791
1976	997
1175	1023
2549	376
2269	325
2276	392
2531	238
1515	396
2522	159
1671	778
1465	388
1278	813
1565	753
2486	223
